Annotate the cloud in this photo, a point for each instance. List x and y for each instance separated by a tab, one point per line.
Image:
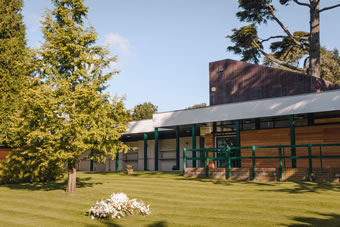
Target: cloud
115	41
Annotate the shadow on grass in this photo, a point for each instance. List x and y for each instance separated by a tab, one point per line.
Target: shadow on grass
293	187
225	182
328	220
52	185
156	173
303	187
158	224
139	173
111	223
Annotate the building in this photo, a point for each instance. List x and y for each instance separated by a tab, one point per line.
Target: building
250	105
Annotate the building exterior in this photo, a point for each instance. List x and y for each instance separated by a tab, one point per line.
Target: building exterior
250	105
267	116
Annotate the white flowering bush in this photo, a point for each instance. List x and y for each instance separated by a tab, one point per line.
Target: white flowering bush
118	205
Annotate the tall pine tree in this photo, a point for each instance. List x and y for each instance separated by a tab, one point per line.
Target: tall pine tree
13	62
85	119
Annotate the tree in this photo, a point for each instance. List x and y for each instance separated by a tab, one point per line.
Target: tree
33	158
143	111
330	65
81	117
291	46
13	62
201	105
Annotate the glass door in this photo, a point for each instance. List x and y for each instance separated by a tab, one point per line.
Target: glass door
221	142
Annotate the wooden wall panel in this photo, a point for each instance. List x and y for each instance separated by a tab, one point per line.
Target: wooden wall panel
210	143
320	134
265	137
4	153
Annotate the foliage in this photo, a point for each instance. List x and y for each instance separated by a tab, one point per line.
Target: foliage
77	71
13	62
129	167
117	206
330	65
66	112
143	111
201	105
34	158
287	49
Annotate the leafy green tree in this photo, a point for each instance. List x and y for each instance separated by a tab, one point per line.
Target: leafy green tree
201	105
13	62
68	114
143	111
33	158
290	47
330	65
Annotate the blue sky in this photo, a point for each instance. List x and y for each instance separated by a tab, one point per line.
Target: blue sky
164	46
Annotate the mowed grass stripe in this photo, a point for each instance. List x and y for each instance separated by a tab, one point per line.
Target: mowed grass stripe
176	201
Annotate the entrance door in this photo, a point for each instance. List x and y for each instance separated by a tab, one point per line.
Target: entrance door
221	142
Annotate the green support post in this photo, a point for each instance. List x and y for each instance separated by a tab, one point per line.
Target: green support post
156	149
177	147
280	163
292	140
193	133
184	160
254	162
207	165
117	162
238	143
145	151
310	170
229	162
91	162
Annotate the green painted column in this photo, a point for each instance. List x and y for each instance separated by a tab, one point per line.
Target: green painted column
238	143
292	139
193	133
91	162
117	162
177	147
156	149
145	151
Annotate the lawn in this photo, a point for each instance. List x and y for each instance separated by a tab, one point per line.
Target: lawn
175	201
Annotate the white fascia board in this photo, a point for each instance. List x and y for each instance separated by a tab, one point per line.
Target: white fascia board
142	126
298	104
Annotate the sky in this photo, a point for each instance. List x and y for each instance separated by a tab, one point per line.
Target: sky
164	46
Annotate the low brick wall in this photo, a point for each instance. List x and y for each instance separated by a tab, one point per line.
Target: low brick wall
216	173
268	174
326	175
295	174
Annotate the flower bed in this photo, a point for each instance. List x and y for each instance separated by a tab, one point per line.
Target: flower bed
118	205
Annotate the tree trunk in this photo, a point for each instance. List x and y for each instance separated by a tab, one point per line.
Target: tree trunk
314	40
72	180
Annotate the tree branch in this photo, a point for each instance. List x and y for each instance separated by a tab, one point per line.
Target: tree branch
328	8
304	47
272	37
272	58
302	3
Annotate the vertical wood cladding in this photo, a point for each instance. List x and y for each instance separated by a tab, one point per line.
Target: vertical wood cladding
265	137
321	134
210	143
234	81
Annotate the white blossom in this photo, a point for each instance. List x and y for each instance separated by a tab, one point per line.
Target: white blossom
118	205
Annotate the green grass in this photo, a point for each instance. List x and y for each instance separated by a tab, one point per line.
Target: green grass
175	201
